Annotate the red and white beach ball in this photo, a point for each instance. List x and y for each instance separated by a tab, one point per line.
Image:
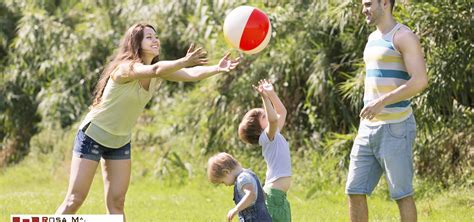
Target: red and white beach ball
248	29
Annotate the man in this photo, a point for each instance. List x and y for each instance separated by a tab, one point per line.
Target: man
395	72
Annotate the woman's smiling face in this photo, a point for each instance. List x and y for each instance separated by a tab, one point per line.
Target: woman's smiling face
150	43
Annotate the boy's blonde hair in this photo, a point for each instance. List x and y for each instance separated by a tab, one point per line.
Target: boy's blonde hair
218	163
250	128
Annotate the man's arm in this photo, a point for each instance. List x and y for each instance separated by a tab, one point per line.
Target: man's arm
409	46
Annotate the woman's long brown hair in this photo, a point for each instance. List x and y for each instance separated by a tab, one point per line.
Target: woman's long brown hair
129	50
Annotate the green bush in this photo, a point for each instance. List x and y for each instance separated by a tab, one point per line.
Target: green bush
55	51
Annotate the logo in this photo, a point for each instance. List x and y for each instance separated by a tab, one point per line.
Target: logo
66	218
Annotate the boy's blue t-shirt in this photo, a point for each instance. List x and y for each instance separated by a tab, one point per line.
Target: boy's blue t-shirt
245	178
257	211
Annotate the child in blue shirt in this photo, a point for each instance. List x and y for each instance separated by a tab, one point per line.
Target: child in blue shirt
248	194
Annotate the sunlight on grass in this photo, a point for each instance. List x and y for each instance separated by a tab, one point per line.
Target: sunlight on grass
40	189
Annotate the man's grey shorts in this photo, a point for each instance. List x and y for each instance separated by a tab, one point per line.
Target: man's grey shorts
385	148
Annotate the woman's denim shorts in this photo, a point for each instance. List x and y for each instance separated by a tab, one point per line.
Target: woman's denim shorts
85	147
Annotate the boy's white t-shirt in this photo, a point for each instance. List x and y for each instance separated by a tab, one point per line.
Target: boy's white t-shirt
277	156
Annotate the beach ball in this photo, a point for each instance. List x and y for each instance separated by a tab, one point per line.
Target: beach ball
247	29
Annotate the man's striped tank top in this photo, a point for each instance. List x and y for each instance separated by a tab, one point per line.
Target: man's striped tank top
385	71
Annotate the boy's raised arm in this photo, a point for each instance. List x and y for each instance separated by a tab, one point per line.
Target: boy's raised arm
270	112
272	117
279	108
277	104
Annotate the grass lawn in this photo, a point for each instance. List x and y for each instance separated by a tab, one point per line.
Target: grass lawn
38	186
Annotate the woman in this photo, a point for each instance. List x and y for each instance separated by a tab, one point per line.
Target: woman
125	87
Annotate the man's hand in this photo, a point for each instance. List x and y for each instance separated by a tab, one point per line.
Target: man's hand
372	108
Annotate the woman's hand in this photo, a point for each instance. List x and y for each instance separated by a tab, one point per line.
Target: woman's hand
195	57
226	64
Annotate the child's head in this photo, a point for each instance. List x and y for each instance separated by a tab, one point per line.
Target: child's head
219	168
252	125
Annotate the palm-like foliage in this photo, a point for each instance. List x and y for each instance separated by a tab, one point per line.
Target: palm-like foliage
52	52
